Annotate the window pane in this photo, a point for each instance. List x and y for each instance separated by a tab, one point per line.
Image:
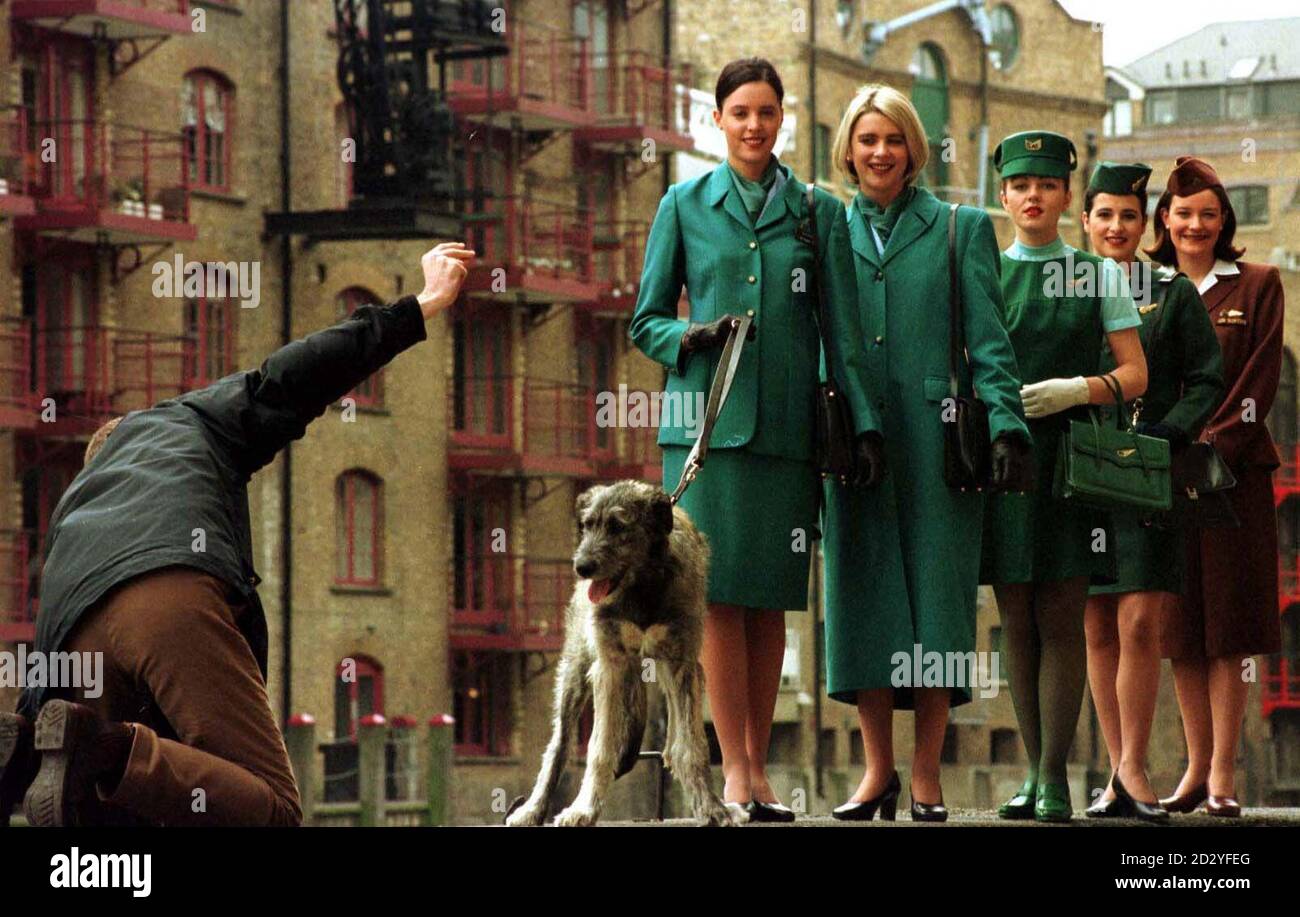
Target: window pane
341	529
363	529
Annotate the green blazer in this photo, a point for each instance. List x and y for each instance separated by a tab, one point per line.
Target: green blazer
1185	371
702	238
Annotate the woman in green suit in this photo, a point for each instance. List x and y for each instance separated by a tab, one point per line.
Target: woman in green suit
1039	553
902	560
736	237
1185	384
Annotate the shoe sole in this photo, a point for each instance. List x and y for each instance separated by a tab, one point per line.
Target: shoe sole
59	785
15	731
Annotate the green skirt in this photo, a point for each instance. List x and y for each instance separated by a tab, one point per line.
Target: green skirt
1036	538
759	514
1148	554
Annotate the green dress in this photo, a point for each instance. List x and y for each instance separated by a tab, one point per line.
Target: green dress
1057	326
1184	386
756	498
902	558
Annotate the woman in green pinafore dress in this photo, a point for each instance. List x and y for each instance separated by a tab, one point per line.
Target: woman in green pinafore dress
737	239
1040	553
1185	383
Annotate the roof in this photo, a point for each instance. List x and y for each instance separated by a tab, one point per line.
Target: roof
1262	50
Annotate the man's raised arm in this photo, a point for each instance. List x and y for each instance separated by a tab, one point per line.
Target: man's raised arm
254	414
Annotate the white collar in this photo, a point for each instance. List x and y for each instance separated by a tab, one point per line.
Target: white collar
1221	268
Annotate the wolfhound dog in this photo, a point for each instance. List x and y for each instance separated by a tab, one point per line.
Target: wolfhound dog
637	615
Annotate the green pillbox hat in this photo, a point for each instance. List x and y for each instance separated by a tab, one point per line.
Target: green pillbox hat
1036	153
1121	178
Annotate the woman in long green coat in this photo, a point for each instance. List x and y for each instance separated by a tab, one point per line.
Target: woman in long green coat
902	560
1184	385
738	239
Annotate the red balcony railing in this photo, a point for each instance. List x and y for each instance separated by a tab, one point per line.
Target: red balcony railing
19	553
128	182
505	601
150	367
15	373
1287	476
619	256
14	161
480	411
544	80
560	428
1281	689
1288	581
109	19
545	249
635	87
72	366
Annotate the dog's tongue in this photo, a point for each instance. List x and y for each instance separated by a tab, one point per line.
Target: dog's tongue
597	591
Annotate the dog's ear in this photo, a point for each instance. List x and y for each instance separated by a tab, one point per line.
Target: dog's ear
583	503
662	509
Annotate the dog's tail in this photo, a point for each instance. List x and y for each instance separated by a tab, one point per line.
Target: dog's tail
636	717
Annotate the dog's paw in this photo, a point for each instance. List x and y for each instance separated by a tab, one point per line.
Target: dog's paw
725	815
524	817
575	817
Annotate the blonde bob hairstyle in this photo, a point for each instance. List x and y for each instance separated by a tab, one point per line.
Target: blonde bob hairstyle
897	108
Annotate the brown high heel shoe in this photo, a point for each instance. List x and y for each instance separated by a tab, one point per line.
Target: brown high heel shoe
1222	806
1188	802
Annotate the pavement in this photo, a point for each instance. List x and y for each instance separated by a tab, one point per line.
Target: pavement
1250	818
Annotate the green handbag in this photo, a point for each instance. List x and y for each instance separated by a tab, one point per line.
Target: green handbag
1108	469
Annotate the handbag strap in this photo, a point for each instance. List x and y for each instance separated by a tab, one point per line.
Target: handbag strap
821	315
956	319
718	391
1112	383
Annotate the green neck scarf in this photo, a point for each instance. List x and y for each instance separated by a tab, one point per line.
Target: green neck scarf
754	193
882	219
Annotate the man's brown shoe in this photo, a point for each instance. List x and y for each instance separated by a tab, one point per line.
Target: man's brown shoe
77	748
17	762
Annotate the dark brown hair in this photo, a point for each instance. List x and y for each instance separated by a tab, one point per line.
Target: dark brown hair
747	70
1163	250
1090	196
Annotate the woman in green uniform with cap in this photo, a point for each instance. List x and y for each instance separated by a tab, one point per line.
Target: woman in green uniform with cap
1040	553
737	238
1184	384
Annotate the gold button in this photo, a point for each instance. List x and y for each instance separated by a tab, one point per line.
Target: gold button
879	340
750	313
753	245
753	279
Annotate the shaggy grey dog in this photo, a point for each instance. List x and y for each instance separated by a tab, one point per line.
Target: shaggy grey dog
637	615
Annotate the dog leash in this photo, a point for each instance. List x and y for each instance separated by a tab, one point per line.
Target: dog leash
722	378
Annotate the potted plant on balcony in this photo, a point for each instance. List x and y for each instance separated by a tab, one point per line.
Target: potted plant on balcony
129	198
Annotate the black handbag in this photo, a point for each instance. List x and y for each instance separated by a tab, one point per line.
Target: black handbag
1200	478
833	418
966	449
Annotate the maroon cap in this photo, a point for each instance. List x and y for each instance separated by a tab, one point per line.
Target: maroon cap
1191	175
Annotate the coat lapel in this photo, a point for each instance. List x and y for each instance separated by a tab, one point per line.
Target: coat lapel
860	236
785	200
721	191
1221	290
911	224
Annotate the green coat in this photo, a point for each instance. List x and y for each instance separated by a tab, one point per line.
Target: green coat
702	237
756	500
902	559
1184	386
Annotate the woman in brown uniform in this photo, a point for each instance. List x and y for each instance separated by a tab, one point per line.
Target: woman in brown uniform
1230	608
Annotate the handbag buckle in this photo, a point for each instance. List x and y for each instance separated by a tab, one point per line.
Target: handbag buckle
1192	494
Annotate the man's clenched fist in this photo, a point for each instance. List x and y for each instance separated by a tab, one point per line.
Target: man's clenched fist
445	267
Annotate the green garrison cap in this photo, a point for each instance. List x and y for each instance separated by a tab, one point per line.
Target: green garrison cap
1036	153
1121	178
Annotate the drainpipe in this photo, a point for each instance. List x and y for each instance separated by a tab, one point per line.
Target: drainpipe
286	335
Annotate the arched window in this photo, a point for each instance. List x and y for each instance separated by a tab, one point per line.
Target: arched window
359	529
930	96
370	392
1005	47
207	109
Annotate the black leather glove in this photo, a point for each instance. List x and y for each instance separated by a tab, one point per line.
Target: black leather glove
870	465
1012	464
1176	438
708	335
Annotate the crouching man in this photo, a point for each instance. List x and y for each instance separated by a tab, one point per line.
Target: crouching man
181	730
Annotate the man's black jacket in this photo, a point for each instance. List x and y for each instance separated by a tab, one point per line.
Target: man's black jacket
184	465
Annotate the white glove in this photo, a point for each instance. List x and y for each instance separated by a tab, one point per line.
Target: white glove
1053	395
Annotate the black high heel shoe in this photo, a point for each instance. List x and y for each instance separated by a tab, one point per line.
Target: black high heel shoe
924	811
886	802
769	812
1147	811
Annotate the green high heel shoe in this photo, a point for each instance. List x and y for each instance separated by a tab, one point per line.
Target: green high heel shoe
1053	803
1021	805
